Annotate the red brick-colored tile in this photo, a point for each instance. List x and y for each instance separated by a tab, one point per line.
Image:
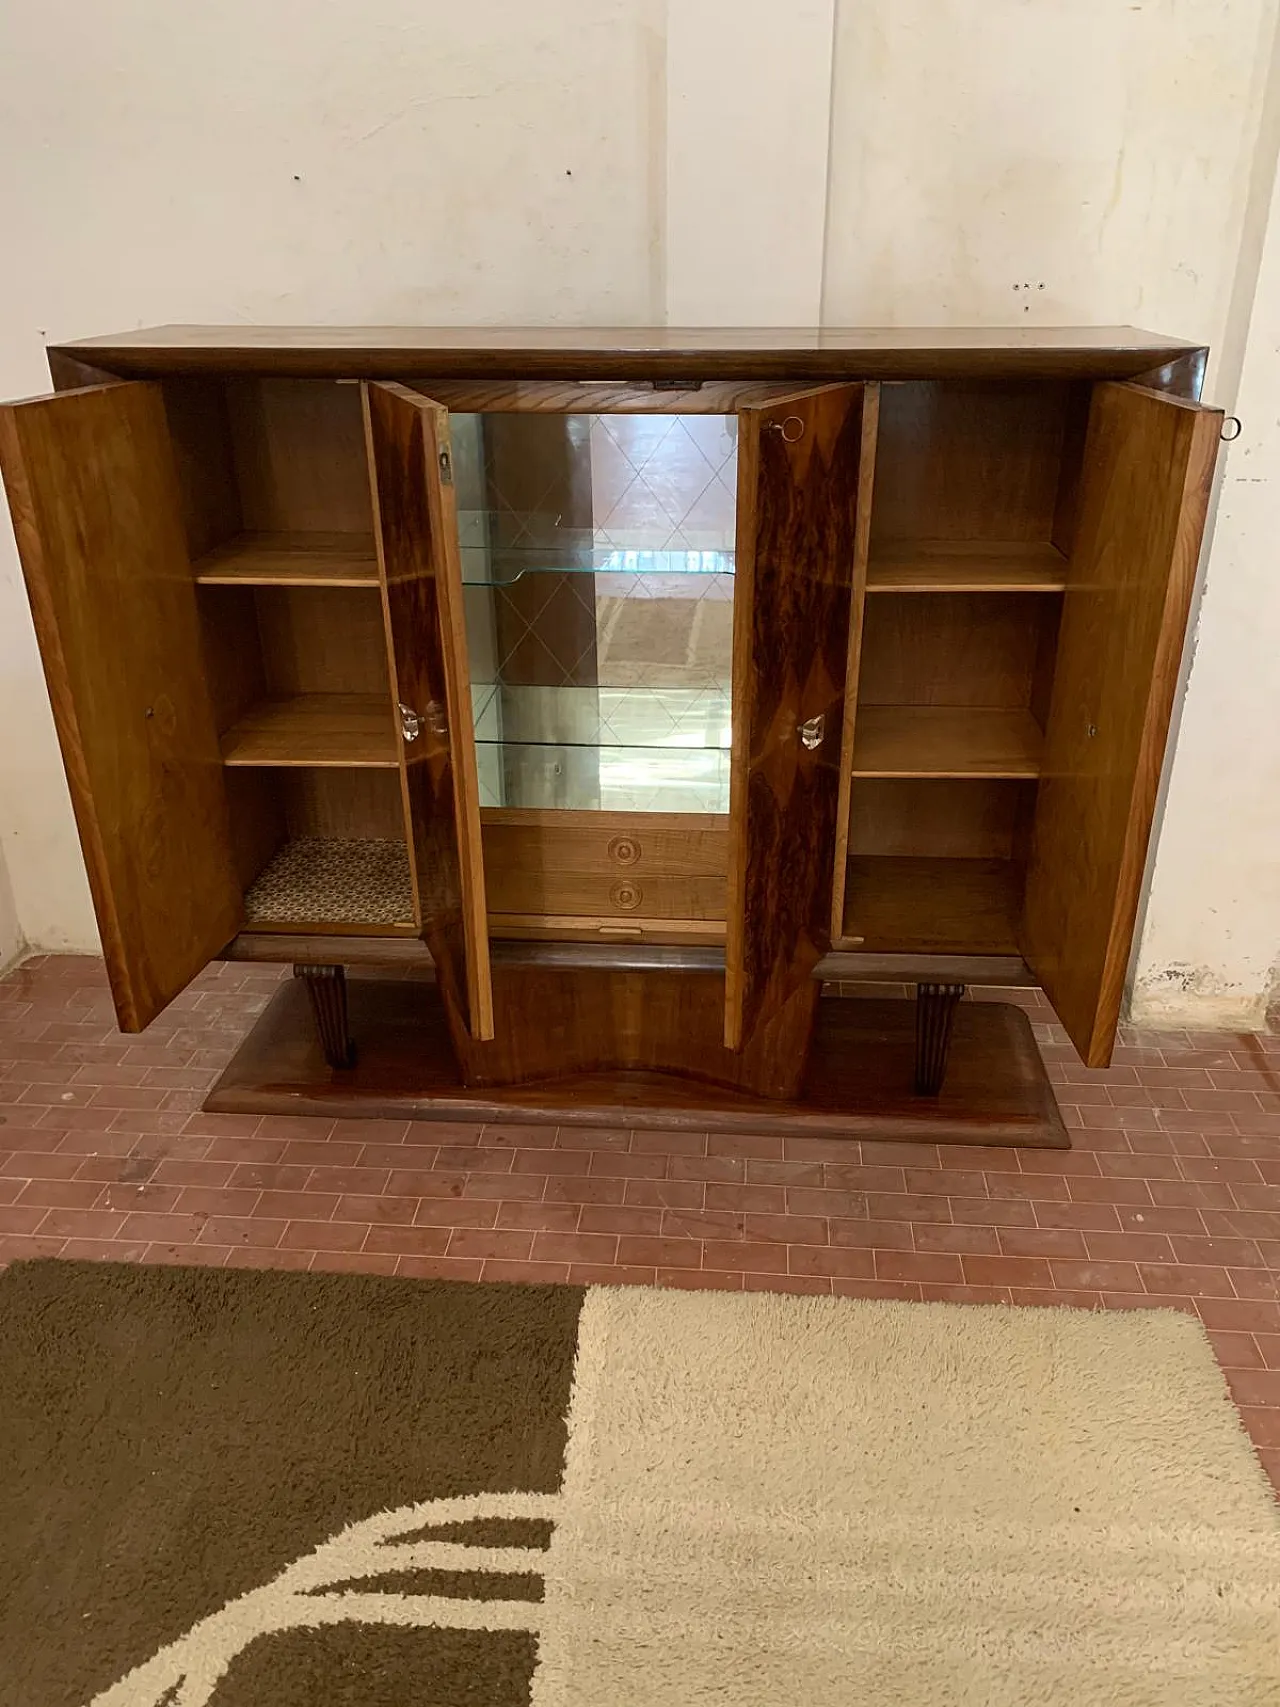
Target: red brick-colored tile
437	1267
811	1174
605	1164
345	1181
324	1235
787	1229
961	1240
1041	1242
669	1144
578	1247
455	1212
354	1262
1056	1297
1090	1276
836	1262
232	1230
992	1212
911	1265
525	1273
188	1256
700	1279
908	1206
475	1242
1006	1271
1083	1189
610	1274
541	1217
63	1193
670	1194
577	1189
596	1138
1128	1247
718	1169
878	1235
734	1254
1078	1217
1263	1424
1249	1315
410	1241
808	1285
613	1218
760	1199
702	1224
1187	1281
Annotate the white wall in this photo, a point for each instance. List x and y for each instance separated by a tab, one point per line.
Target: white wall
596	161
1211	943
11	939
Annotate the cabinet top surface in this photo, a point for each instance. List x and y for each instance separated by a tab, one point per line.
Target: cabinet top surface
611	352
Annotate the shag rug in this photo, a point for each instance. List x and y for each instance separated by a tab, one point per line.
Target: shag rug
292	1490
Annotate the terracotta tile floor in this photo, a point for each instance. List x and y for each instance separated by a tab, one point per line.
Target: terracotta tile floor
1170	1196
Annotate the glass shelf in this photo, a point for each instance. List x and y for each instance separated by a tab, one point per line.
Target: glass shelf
485	566
609	779
666	719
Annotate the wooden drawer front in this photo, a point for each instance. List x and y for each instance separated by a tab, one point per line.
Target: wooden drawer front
611	866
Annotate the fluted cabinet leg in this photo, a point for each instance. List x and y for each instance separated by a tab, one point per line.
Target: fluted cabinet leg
327	988
935	1012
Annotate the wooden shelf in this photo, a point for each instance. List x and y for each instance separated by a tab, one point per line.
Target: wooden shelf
932	906
945	740
966	566
317	729
291	560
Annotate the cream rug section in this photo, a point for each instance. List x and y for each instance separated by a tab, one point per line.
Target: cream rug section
774	1500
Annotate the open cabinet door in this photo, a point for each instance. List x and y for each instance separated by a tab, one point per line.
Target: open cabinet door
94	494
800	460
419	561
1144	490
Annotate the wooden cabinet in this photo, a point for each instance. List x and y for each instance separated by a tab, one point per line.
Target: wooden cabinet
636	682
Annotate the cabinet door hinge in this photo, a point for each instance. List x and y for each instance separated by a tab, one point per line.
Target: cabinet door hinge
446	467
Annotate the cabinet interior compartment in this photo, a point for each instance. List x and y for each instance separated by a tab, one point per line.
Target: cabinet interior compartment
597	554
274	480
299	675
321	850
937	865
971	527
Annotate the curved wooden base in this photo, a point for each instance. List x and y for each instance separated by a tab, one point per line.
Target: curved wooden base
858	1083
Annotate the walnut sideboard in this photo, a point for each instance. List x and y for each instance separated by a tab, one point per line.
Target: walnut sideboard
602	696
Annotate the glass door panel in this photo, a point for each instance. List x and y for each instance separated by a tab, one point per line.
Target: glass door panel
598	557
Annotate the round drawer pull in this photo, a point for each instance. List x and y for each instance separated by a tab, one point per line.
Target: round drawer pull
626	895
624	850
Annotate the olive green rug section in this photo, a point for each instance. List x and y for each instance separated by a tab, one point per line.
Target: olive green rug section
772	1500
274	1488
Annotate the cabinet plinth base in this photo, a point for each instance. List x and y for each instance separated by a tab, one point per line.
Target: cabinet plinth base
858	1086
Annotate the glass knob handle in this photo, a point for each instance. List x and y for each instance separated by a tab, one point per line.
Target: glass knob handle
813	732
410	723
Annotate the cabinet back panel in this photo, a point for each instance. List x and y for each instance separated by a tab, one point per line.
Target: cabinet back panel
233	660
299	456
969	459
343	804
322	640
963	649
200	432
938	817
259	826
